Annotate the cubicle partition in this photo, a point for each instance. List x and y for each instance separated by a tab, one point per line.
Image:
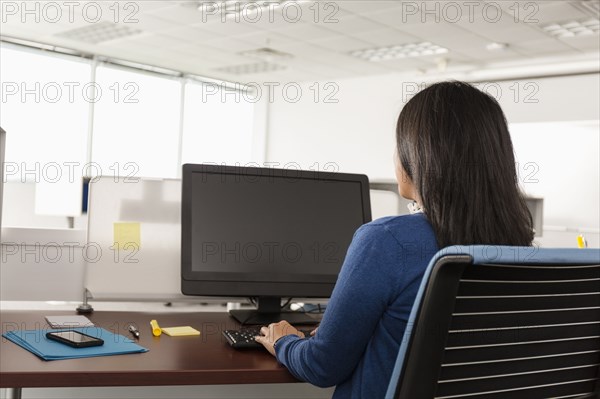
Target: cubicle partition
134	239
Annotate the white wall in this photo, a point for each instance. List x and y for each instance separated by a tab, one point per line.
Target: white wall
19	209
357	133
38	264
561	162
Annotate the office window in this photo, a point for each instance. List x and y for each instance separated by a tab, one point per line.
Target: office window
49	101
217	125
136	123
44	111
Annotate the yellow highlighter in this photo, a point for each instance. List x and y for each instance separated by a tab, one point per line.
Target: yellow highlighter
581	243
156	330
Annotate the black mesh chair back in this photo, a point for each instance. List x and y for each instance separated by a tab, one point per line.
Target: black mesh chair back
492	330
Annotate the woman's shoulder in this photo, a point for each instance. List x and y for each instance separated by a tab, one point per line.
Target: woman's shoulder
392	242
401	230
412	220
404	224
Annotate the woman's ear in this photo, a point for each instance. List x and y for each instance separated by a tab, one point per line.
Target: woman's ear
406	188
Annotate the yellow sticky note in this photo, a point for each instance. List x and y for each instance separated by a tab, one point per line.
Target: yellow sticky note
180	331
127	235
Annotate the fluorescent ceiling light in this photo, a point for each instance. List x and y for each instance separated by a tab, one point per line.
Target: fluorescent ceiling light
233	8
573	28
100	32
399	51
496	46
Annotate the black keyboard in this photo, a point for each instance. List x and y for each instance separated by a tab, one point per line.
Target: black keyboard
244	337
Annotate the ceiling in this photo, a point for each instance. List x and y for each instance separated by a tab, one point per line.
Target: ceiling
179	36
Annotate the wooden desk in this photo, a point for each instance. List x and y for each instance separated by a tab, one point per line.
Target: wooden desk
205	359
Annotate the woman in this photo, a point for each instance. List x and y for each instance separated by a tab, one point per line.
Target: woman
455	160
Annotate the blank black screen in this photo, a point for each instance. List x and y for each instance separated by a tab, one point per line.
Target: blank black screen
272	228
75	336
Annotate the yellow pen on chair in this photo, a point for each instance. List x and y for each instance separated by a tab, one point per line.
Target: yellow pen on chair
581	243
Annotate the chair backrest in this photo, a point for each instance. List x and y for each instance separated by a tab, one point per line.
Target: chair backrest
503	322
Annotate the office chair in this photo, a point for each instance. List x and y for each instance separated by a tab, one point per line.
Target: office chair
503	322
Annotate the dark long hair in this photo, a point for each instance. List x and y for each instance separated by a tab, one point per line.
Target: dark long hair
453	143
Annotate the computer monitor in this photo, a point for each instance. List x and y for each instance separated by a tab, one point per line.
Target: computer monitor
267	233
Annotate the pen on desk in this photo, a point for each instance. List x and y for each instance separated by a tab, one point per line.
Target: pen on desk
581	243
134	331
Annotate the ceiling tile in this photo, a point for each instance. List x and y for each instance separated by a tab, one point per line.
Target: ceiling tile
266	39
179	14
535	12
272	22
346	61
368	6
398	17
308	31
354	25
199	60
406	64
584	43
228	59
137	44
149	5
304	49
308	63
231	45
539	47
387	37
342	44
190	34
323	13
454	59
209	52
505	30
229	28
493	56
458	41
151	23
434	31
154	41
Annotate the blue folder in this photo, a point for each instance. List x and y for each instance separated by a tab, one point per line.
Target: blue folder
35	341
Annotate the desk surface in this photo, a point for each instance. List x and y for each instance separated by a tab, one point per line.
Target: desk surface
204	359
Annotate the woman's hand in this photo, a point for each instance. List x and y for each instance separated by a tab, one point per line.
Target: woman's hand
273	332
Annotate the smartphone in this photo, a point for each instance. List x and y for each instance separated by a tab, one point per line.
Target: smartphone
74	339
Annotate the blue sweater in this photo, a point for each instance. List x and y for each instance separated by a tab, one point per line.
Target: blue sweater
360	334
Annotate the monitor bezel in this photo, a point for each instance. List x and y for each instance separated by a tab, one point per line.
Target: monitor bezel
219	284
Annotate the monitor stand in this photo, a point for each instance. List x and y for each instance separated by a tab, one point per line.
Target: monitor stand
269	311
